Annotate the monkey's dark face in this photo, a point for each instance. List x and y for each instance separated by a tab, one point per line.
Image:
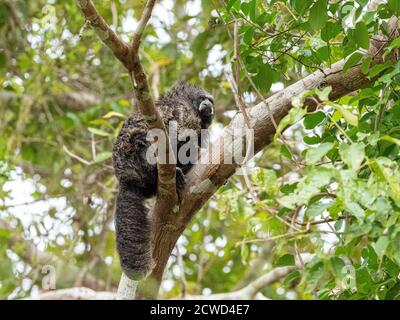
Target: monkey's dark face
198	98
204	104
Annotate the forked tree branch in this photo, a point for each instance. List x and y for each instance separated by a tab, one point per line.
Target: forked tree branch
128	54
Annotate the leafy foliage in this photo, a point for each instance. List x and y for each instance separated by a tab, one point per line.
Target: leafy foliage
328	186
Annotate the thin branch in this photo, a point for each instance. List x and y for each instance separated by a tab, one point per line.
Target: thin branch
129	56
252	290
105	33
182	271
114	12
266	279
146	14
238	92
317	221
72	155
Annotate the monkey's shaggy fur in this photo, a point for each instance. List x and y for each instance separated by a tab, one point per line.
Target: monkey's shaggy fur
192	108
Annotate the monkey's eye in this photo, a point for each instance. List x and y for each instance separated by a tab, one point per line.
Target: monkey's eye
197	102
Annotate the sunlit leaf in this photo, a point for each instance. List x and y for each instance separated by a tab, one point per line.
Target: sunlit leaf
361	35
99	132
352	61
315	154
318	14
352	154
348	116
100	157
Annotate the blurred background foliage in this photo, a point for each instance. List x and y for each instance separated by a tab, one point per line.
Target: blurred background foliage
328	186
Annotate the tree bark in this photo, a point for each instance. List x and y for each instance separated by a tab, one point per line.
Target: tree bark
77	293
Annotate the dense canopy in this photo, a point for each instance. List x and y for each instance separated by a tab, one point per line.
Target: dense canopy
319	205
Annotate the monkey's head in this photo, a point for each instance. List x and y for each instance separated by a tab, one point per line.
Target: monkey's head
201	100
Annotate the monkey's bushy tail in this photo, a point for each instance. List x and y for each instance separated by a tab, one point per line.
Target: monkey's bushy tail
133	233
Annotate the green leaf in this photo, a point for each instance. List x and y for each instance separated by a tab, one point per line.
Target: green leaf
352	61
318	15
313	275
101	122
100	157
285	151
99	132
263	79
387	171
245	7
301	6
310	185
291	277
322	54
313	155
248	36
353	155
379	68
285	260
394	45
330	31
316	209
311	140
113	114
370	256
294	115
394	5
272	184
298	101
390	139
323	94
396	248
363	280
355	209
366	65
314	119
253	10
347	115
381	245
361	35
387	77
244	253
3	60
337	266
231	3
